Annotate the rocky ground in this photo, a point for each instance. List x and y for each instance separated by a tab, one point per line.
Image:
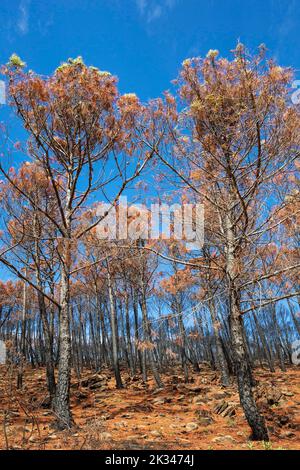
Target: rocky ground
198	415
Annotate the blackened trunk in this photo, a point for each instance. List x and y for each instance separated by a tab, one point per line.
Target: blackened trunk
136	333
62	396
221	360
48	348
264	343
241	361
128	337
22	353
114	333
244	376
147	337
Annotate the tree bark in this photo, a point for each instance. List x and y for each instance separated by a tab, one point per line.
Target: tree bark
147	337
62	397
114	332
22	353
242	368
221	360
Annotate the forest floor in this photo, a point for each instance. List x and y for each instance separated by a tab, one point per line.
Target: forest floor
198	415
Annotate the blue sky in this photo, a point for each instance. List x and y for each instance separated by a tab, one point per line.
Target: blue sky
144	41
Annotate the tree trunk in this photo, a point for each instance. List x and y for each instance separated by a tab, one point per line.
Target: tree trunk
147	337
128	336
48	348
23	338
62	397
243	374
114	333
136	334
183	347
278	341
264	343
221	360
242	368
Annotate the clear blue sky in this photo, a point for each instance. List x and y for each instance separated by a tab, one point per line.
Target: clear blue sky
144	41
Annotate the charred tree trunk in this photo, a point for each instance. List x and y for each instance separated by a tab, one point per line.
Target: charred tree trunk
114	332
242	368
128	336
147	337
264	343
22	353
62	396
138	358
48	348
221	359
